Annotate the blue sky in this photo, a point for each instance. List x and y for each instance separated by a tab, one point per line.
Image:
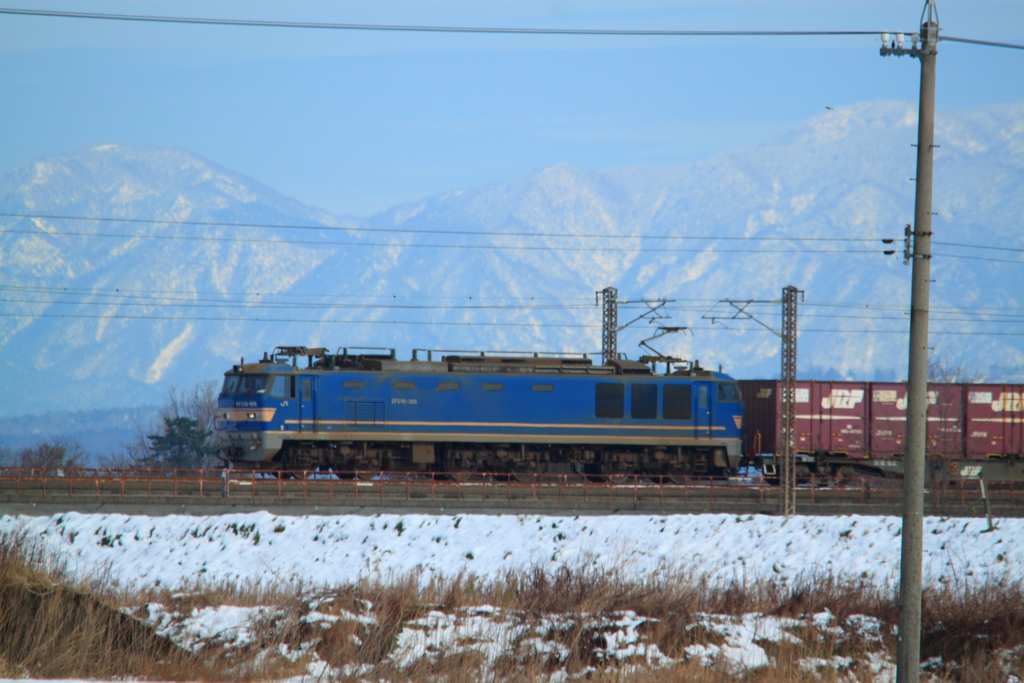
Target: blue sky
356	122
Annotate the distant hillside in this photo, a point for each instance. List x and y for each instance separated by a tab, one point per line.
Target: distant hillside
843	174
100	432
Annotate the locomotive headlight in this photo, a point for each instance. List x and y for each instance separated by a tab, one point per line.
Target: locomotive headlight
226	417
250	416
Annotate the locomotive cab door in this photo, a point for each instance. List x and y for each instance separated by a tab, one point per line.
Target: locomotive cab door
306	398
702	410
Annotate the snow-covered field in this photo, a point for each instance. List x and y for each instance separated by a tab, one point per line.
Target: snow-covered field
329	550
320	553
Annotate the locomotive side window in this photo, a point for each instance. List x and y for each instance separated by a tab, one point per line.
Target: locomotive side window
609	399
405	385
307	389
543	387
678	402
728	393
351	384
644	404
702	396
447	386
492	386
283	387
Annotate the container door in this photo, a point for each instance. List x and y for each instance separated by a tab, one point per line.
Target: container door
306	396
702	412
888	419
945	420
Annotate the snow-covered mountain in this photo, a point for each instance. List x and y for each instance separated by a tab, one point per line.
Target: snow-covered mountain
94	321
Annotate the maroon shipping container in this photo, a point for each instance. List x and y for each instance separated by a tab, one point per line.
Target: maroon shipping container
888	412
830	417
854	419
995	420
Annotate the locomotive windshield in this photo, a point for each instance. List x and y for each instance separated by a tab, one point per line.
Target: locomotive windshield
277	386
248	385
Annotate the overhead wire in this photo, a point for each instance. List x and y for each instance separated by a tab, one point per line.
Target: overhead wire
990	43
500	233
410	245
265	319
253	240
567	303
409	28
170	302
129	291
433	231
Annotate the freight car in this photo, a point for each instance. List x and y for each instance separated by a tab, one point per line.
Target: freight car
514	414
854	428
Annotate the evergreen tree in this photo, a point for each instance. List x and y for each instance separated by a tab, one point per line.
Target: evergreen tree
182	445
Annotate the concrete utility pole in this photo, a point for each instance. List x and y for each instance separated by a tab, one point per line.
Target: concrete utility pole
908	658
789	331
609	325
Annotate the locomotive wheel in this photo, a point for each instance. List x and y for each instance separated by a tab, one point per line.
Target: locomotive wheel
679	474
528	473
454	473
615	476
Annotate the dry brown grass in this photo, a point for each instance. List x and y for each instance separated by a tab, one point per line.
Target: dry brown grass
51	626
50	629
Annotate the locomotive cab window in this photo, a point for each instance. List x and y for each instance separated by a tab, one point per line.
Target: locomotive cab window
250	385
231	383
678	402
728	393
283	387
609	398
644	401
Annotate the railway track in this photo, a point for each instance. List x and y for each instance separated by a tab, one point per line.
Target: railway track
214	491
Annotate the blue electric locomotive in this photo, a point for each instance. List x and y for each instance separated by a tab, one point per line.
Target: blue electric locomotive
464	414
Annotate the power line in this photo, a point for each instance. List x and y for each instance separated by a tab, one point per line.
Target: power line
979	258
409	245
407	28
562	301
415	28
290	320
165	302
203	303
129	292
457	324
406	231
977	246
981	42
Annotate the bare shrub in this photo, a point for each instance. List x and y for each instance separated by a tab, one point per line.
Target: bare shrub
57	452
950	368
